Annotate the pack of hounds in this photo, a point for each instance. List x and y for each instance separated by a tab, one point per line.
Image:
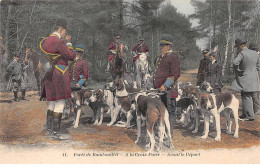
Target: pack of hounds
128	106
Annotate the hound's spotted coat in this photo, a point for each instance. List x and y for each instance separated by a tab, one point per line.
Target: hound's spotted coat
152	110
211	104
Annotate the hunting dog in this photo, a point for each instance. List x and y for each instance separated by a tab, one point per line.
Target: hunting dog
102	102
73	105
152	110
123	102
211	104
193	114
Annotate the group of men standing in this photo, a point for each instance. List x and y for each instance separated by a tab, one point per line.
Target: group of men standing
247	72
210	71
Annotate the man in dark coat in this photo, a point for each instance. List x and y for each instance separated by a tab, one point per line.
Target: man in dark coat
247	66
167	73
256	95
201	76
56	82
16	70
214	73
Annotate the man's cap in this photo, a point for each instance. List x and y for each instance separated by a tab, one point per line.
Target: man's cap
252	46
205	51
18	55
166	39
79	48
239	42
116	36
214	54
141	38
63	23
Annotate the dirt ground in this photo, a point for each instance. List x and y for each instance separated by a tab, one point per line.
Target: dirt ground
22	125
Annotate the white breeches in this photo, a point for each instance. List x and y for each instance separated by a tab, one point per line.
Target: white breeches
56	106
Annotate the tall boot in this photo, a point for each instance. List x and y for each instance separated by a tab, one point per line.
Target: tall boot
49	122
23	94
16	96
57	128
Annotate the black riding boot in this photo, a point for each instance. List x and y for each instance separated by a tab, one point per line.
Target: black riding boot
57	126
16	96
23	94
49	122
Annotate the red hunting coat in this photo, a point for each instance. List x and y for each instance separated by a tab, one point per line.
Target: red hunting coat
112	46
56	82
77	68
168	66
139	49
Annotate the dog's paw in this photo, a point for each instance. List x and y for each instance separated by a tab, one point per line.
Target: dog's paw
235	136
171	145
75	126
204	137
148	147
217	138
99	124
195	131
228	132
95	123
137	141
110	124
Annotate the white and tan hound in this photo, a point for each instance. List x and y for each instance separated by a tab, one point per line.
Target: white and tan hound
211	104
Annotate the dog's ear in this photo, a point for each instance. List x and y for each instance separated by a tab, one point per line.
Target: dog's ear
100	95
211	101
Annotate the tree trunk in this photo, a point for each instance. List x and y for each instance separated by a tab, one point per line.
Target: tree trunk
228	36
152	64
93	52
6	37
1	33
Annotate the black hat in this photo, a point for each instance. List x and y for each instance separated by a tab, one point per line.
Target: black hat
63	23
166	39
239	42
205	51
252	46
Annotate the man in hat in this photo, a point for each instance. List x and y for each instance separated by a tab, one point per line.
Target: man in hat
256	95
167	73
16	70
139	48
214	73
247	63
201	76
78	73
56	82
113	48
79	68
